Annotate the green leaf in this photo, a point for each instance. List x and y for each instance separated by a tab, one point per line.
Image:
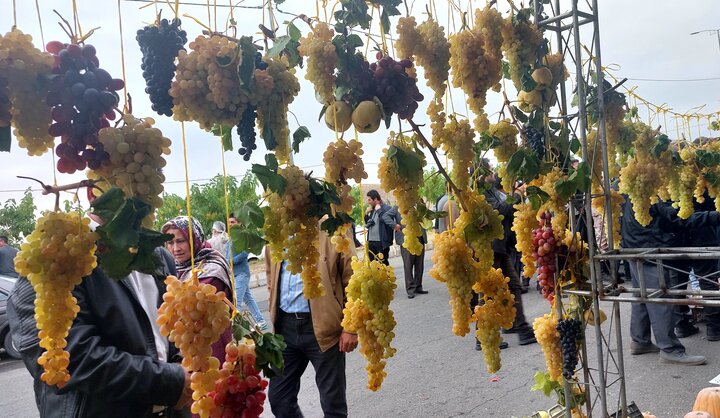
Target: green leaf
280	44
385	21
574	145
537	196
519	115
293	55
271	162
487	142
225	134
565	188
322	112
582	177
108	203
302	133
524	164
269	179
250	215
5	138
526	80
269	137
428	214
294	32
332	223
410	164
662	143
506	70
537	120
353	41
246	69
246	240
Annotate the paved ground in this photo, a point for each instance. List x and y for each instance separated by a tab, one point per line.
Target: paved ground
436	374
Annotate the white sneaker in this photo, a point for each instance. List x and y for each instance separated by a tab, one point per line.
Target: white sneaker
682	358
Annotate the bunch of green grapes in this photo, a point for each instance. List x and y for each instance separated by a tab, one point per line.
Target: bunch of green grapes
456	139
475	71
507	133
436	114
136	160
272	108
367	312
343	161
24	103
322	60
524	223
405	186
687	183
521	40
193	315
409	39
481	224
555	205
454	265
497	311
548	337
303	251
430	47
204	90
489	23
55	258
342	241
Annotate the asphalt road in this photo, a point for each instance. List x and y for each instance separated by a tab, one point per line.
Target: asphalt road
436	374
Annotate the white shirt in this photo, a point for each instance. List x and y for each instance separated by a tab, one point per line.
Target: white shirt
148	296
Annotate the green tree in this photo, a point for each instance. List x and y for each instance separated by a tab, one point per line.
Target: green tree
207	201
433	186
17	220
357	212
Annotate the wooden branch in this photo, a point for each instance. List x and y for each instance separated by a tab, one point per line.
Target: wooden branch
47	189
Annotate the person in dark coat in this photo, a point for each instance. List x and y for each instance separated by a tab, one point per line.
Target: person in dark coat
381	225
413	265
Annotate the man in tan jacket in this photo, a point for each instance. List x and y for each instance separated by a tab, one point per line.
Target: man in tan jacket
313	333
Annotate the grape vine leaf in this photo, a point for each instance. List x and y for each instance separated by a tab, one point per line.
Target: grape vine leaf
268	347
246	68
250	215
269	137
519	115
5	138
662	143
506	70
293	31
524	164
408	163
245	239
225	134
272	162
279	46
528	84
429	214
353	13
269	178
486	142
302	133
544	383
578	180
332	223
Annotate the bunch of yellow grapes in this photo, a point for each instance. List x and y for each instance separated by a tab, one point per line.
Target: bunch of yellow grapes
204	90
524	223
497	311
322	60
55	258
343	162
367	312
554	204
272	109
193	315
456	140
548	337
489	24
454	265
406	188
24	103
288	227
521	40
507	133
481	224
136	160
430	47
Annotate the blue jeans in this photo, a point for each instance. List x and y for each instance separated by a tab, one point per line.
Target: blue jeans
243	295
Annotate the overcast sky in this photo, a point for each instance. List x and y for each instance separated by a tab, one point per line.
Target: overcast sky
645	39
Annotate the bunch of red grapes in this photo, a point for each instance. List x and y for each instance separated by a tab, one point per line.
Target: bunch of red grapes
397	90
83	99
545	256
240	392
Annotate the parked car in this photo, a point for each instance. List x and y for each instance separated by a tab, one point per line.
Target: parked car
6	286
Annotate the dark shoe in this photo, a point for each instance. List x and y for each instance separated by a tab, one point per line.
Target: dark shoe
712	334
421	292
411	296
637	349
527	337
478	346
524	289
682	358
512	330
686	330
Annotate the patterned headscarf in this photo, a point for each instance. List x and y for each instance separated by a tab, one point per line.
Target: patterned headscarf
212	264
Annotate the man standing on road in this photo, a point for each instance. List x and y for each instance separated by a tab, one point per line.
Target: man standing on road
7	255
380	222
312	331
413	265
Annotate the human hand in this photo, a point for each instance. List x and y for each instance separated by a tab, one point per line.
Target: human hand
186	395
348	342
397	227
368	210
378	206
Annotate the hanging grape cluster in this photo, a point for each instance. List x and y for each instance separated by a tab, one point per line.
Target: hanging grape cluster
570	331
396	86
240	390
547	335
544	254
160	45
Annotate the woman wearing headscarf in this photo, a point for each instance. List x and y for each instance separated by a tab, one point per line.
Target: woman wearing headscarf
212	266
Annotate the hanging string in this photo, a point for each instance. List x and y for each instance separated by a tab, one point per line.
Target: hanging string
37	9
187	201
208	10
76	20
122	59
15	15
215	14
227	222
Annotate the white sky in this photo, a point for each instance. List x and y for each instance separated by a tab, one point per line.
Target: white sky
646	39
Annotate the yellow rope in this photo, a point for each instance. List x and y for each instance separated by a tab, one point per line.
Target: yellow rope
76	20
177	8
37	9
187	200
227	223
14	14
215	14
208	10
122	59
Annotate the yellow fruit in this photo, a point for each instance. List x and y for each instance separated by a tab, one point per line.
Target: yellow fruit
341	113
367	117
542	76
529	99
590	317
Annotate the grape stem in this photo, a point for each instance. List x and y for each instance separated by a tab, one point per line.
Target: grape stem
441	169
47	189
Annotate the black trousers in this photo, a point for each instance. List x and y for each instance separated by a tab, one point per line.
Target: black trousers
505	263
413	266
302	347
376	247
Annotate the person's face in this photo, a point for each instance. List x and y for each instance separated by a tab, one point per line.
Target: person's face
232	221
371	202
178	246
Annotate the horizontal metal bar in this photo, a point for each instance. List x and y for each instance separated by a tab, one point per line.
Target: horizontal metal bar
674	292
666	301
663	250
559	18
656	256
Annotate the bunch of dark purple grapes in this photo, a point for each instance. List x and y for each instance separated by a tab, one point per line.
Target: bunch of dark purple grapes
397	91
570	332
359	79
536	141
83	98
246	127
160	45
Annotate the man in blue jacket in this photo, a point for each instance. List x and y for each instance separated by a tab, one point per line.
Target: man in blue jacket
380	222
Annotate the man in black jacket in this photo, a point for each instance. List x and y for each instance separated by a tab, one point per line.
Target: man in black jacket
662	232
380	222
413	265
120	366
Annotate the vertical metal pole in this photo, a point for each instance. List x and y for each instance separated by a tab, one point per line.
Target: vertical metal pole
561	48
566	383
582	122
